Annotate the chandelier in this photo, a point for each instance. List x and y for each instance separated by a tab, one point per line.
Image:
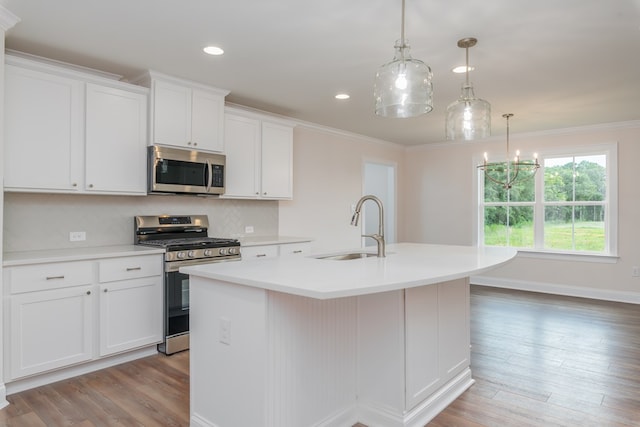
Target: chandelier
403	86
468	117
508	172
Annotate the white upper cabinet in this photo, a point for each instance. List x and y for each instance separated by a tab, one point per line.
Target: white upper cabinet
116	140
72	132
259	151
242	169
43	131
185	114
277	161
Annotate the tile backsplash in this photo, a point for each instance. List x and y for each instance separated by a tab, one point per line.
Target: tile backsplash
44	221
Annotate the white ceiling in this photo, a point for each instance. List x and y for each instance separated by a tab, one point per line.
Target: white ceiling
553	63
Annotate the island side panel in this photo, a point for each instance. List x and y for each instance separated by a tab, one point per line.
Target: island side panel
381	375
227	378
413	353
312	375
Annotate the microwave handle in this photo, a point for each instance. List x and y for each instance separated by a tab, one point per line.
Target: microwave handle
210	180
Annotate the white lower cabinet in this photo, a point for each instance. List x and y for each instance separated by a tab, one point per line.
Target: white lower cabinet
50	329
64	313
130	303
129	314
275	250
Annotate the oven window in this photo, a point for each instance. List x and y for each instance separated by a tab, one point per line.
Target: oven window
179	172
176	303
185	294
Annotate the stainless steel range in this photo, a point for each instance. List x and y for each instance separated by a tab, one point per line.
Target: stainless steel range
186	242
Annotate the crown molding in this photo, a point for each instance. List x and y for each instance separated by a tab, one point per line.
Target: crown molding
630	124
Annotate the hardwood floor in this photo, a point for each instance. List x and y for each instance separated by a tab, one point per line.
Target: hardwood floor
538	360
153	391
542	360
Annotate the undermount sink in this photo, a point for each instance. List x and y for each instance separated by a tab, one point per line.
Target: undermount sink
345	257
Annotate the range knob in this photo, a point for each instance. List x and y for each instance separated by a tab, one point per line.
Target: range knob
233	251
208	252
223	251
181	255
191	254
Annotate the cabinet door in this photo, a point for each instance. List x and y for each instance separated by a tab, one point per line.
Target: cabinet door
130	314
207	121
242	136
116	141
453	312
277	161
43	131
171	114
421	334
49	330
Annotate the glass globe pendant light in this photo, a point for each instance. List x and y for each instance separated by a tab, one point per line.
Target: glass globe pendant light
468	117
403	86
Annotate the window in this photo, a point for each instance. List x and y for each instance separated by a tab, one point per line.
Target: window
568	206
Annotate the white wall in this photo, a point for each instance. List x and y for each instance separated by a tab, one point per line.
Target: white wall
327	169
442	206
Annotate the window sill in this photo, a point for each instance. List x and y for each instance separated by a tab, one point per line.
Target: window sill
564	256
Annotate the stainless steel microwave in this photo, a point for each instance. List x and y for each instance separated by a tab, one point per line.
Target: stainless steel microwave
173	170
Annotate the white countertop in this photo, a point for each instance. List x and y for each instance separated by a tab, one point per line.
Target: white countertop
75	254
406	265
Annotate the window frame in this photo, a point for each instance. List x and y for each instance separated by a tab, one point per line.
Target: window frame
610	254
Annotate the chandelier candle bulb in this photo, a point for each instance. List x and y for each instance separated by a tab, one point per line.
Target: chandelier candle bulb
508	172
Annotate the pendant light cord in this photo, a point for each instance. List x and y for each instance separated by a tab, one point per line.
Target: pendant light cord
467	55
402	28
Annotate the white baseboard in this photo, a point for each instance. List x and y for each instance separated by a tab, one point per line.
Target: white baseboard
73	371
3	396
558	289
424	412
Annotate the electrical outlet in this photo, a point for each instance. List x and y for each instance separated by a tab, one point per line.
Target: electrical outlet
225	331
248	229
635	271
77	236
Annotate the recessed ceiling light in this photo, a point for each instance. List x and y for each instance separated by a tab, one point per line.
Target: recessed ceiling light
342	96
213	50
462	69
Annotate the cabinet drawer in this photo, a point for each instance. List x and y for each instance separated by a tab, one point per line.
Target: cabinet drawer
111	270
259	252
295	249
49	276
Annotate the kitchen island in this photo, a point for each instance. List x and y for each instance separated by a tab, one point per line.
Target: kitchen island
323	342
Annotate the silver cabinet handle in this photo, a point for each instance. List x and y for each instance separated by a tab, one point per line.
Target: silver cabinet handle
55	277
260	255
133	268
298	251
88	292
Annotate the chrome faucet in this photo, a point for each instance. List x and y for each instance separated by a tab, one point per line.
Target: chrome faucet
378	237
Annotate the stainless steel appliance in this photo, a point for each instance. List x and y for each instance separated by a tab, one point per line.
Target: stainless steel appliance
186	242
173	170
